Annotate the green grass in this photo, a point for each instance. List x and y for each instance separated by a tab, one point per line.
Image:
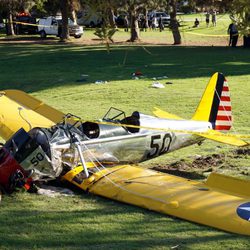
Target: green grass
87	222
51	73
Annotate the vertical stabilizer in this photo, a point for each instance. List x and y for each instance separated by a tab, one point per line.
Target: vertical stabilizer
215	105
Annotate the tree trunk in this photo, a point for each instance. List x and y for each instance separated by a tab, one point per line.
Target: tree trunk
9	26
135	32
111	16
146	18
64	33
73	16
174	25
72	12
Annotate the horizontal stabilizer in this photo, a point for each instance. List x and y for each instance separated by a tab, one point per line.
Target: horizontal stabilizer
224	138
229	184
163	114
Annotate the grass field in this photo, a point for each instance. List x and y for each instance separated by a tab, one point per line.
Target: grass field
53	72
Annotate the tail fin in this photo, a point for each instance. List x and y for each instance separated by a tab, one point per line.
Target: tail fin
215	104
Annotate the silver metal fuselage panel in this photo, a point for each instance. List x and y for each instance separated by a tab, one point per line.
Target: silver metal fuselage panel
116	144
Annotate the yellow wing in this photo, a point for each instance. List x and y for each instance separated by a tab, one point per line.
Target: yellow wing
224	138
214	203
23	110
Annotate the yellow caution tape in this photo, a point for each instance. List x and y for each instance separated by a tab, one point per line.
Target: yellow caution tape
199	34
32	24
241	136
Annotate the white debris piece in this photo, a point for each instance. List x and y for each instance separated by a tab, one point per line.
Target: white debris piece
158	85
159	77
84	76
100	82
52	191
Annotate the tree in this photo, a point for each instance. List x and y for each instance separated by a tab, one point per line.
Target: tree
174	24
67	9
105	10
171	7
64	7
134	9
240	14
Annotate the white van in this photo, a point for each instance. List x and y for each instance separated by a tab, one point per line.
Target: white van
53	26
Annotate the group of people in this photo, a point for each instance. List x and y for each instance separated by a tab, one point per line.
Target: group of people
207	16
151	23
214	18
232	29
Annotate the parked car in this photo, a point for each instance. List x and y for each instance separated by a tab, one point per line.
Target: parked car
165	17
21	27
53	26
89	18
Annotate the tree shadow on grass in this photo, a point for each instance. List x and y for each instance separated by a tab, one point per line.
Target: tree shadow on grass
110	225
36	67
28	40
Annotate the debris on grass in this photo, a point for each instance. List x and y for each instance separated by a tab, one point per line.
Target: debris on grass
100	82
157	85
83	78
159	78
53	191
138	75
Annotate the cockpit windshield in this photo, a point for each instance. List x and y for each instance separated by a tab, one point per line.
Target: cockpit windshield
114	115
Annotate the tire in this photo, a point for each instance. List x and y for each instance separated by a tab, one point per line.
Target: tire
77	36
2	191
43	34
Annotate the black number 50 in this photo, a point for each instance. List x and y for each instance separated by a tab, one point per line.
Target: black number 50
159	144
36	159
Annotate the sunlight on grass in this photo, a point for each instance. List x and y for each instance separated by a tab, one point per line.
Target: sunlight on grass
236	63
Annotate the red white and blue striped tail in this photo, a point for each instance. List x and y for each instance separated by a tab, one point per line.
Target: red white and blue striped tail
224	115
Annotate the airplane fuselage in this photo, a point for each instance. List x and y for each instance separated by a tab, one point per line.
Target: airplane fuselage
118	144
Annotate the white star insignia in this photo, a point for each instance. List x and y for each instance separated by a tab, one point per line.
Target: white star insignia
245	208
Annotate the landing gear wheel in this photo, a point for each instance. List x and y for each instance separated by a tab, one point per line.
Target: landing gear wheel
43	34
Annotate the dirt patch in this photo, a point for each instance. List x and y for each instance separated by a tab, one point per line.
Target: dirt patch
90	40
201	166
242	151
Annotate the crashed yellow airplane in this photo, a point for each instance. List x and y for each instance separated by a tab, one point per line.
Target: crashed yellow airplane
43	143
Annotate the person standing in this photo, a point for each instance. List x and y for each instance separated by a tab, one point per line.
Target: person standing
214	18
126	23
207	18
161	25
233	34
154	23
